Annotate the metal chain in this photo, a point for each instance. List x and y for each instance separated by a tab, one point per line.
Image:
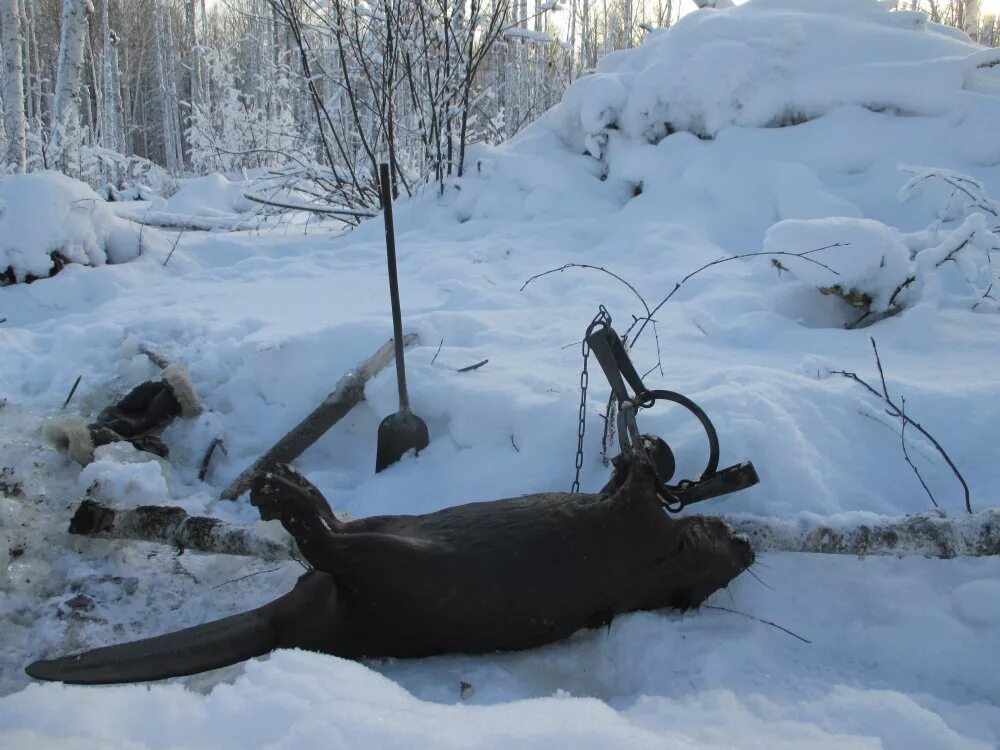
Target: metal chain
602	318
582	425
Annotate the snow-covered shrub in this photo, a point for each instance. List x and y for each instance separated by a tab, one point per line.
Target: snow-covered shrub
48	220
880	270
959	194
239	130
211	195
102	167
871	264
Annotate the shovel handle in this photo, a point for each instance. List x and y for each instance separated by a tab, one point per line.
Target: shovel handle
385	189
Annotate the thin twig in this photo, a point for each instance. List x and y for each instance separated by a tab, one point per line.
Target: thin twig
470	368
513	443
602	269
155	358
759	580
207	460
248	575
171	253
751	617
803	255
72	391
906	282
952	253
986	295
906	454
896	411
434	358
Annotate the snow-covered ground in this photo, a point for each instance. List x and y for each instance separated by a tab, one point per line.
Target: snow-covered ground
901	651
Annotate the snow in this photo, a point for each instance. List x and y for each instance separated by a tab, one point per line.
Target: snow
901	652
212	195
772	61
868	679
47	212
874	261
124	477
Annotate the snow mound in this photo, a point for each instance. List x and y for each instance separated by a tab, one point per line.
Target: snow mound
881	270
873	259
48	220
212	195
768	63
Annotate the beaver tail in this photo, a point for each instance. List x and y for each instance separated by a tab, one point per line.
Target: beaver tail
197	649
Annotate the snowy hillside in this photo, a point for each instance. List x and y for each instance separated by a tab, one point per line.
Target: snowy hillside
776	127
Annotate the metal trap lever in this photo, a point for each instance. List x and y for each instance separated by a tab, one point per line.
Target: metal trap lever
730	479
605	344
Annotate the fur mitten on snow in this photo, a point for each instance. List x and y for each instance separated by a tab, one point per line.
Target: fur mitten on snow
152	405
76	439
145	409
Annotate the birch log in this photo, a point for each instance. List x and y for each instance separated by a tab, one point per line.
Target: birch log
174	527
350	392
930	535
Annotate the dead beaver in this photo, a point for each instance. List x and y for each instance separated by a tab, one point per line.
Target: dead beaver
490	576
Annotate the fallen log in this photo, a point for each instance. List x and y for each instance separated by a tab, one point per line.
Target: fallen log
174	527
188	222
354	213
349	392
928	534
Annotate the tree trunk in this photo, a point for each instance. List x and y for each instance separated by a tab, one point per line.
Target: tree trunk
109	105
29	89
195	57
572	40
64	145
13	93
972	19
168	113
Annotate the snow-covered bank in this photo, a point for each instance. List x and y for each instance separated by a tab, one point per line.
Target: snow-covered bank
901	649
48	220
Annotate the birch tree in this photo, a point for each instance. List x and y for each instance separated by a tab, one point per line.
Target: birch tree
13	92
165	58
110	96
64	145
971	10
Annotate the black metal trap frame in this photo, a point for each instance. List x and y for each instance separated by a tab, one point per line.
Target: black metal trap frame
603	341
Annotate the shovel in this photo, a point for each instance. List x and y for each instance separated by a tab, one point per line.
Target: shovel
403	430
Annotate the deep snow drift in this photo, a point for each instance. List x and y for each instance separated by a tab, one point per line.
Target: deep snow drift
48	219
685	164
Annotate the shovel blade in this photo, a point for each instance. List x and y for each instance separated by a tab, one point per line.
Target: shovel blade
397	434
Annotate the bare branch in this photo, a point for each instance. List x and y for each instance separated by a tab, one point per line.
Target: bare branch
897	411
763	622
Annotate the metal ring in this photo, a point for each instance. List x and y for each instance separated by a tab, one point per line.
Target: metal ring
670	503
706	423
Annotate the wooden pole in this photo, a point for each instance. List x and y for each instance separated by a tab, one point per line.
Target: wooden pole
350	392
